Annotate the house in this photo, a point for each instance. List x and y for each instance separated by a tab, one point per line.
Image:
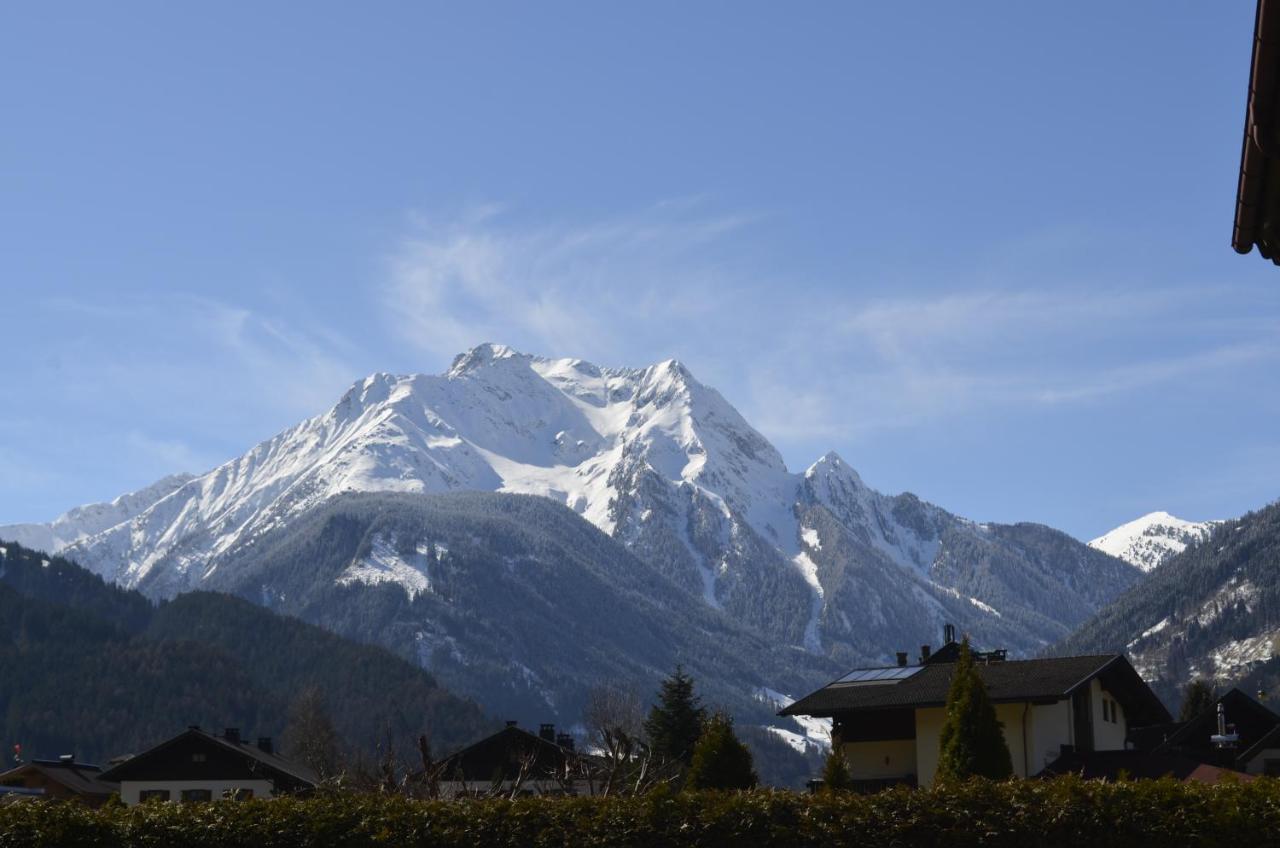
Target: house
515	761
887	720
63	779
199	766
1237	732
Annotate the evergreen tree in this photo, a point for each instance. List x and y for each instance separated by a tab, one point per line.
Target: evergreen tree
720	760
835	774
972	738
676	722
1197	698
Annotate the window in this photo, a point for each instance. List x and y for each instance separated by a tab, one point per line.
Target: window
198	758
1271	768
193	796
153	795
237	794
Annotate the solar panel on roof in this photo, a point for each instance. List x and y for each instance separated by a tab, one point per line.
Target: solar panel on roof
880	675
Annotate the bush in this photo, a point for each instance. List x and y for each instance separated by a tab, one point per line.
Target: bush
1053	814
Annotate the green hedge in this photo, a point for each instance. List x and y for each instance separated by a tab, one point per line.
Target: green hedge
1065	812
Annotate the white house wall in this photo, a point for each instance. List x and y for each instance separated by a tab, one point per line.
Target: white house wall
1107	736
130	790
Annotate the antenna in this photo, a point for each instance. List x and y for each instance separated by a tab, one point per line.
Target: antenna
1223	739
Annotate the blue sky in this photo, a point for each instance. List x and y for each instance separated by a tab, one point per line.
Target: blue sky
981	250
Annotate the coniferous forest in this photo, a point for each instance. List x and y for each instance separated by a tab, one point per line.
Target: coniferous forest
95	670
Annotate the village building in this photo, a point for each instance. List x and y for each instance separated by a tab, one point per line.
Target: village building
1236	732
887	720
63	779
514	761
199	766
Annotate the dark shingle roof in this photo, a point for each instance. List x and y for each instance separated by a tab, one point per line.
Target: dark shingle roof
81	778
281	767
1048	679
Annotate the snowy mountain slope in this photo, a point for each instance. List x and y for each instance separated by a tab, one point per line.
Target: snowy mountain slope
664	465
1148	541
91	519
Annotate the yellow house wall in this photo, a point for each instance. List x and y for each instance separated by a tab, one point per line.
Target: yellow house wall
1011	716
1049	733
928	727
872	760
1049	729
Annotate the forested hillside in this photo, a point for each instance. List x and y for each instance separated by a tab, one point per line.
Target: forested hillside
1211	612
98	670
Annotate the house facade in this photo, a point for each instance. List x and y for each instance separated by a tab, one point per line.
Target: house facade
63	779
514	761
197	766
888	720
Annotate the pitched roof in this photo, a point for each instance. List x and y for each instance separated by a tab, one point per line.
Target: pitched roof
500	754
81	778
1270	740
1251	719
1047	679
289	770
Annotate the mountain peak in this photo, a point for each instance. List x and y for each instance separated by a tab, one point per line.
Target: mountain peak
1148	541
481	355
831	464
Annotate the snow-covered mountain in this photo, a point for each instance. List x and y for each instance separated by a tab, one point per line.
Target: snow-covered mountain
659	462
1148	541
91	519
1211	611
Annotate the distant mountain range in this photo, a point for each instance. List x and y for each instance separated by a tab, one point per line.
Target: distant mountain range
1211	611
1148	541
668	530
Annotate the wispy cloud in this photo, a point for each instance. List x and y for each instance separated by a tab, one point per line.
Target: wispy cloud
805	359
583	289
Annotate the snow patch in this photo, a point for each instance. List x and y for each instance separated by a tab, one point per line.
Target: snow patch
809	571
384	564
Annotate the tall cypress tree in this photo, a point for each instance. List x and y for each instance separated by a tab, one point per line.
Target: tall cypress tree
675	723
972	739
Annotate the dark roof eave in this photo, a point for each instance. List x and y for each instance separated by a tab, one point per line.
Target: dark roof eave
1257	210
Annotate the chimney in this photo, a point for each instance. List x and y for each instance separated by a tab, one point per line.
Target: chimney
948	634
232	734
564	740
512	722
924	654
902	658
547	732
265	746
